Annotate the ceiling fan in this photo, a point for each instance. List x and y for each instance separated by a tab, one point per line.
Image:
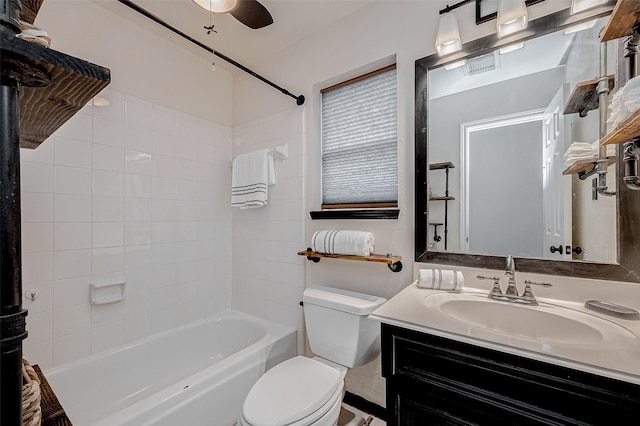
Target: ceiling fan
250	12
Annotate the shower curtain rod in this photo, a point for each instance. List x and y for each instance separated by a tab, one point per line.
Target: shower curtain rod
299	99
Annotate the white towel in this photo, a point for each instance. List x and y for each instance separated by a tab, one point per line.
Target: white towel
611	149
438	279
624	102
250	179
579	148
271	171
583	151
355	243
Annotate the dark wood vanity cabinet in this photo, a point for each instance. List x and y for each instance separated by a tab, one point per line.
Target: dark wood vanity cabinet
433	380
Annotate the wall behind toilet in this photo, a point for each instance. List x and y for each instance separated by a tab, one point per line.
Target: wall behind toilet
404	30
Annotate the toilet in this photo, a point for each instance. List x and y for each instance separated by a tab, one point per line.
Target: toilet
308	391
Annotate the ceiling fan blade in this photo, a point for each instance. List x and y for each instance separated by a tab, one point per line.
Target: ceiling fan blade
252	14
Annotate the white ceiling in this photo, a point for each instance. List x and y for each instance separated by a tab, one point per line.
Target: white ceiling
539	54
293	20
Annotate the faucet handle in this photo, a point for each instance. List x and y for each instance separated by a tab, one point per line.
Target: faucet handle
530	283
527	288
496	291
482	277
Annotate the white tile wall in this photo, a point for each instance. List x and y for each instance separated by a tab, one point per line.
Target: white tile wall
132	191
268	276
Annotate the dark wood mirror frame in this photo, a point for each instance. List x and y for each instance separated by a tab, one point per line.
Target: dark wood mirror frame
628	201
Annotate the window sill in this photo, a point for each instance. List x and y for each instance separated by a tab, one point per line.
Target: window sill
355	214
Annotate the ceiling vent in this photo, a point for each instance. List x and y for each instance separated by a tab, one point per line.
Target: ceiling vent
480	64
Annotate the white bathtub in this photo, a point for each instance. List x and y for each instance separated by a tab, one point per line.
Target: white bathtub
197	374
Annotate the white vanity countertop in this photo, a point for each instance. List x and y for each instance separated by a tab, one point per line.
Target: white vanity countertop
618	360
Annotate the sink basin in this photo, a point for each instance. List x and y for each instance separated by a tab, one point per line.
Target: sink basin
562	332
543	323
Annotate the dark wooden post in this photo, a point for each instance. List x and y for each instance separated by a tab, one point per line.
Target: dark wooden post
12	316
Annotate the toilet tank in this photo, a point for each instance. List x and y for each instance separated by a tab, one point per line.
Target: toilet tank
338	327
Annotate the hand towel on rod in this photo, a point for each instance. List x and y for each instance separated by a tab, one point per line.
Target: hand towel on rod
250	179
354	243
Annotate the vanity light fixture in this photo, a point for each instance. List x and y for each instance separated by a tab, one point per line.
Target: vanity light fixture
448	38
454	65
511	47
512	17
216	6
580	27
578	6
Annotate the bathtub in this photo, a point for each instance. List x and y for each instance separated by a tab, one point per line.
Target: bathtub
197	374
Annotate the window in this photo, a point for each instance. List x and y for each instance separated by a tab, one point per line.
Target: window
359	142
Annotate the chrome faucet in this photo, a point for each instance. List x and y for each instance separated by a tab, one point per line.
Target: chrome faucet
511	295
510	272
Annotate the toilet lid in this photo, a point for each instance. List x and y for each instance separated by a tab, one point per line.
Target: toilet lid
290	391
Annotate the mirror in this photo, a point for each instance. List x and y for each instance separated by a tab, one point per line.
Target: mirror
507	191
490	139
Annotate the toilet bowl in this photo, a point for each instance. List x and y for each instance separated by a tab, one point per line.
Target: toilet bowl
308	391
298	392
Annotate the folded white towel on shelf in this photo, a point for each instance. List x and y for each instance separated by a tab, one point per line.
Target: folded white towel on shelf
572	159
355	243
624	102
440	279
250	179
579	148
611	149
584	151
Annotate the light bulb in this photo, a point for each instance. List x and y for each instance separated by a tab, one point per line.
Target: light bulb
216	6
448	37
511	48
454	65
213	65
580	27
512	17
578	6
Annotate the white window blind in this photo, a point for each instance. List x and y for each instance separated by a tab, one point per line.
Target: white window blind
359	142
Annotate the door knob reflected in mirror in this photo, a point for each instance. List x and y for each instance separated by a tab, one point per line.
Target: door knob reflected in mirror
577	250
556	249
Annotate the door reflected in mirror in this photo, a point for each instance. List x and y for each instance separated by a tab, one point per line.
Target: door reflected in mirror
499	119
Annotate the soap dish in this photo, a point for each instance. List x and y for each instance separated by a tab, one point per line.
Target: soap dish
612	309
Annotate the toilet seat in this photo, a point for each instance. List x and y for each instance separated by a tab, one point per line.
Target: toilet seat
296	392
327	415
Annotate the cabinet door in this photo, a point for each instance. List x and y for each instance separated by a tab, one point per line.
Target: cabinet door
433	410
484	386
433	404
410	406
413	413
